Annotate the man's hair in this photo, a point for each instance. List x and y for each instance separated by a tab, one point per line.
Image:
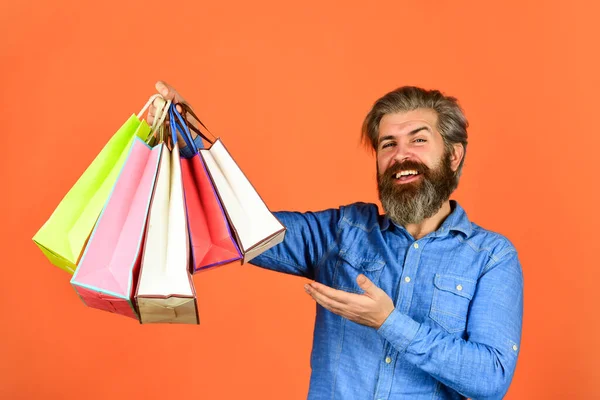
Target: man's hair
451	123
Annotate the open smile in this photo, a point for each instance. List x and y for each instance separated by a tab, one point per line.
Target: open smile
406	176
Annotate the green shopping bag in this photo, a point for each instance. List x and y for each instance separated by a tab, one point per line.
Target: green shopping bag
64	235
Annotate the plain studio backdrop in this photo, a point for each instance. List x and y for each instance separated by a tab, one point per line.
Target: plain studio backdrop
286	85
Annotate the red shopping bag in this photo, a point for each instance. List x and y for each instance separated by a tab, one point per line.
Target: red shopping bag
212	242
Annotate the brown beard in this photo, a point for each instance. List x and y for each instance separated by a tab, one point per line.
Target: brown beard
413	202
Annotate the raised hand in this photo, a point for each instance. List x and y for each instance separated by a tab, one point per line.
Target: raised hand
169	93
370	308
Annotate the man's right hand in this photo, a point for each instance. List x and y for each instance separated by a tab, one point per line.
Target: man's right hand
169	93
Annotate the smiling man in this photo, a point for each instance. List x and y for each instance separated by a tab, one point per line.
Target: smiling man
417	303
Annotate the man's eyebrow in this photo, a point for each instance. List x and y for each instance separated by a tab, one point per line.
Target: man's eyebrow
417	130
411	133
388	137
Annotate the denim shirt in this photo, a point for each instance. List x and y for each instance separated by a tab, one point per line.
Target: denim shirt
186	152
458	295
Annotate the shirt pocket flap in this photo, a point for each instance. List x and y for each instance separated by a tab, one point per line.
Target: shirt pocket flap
455	284
349	265
369	264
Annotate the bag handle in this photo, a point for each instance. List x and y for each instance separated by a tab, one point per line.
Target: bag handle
181	127
159	118
188	110
150	100
161	113
184	126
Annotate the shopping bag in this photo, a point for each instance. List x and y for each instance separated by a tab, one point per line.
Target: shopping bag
165	291
212	243
256	229
63	236
107	273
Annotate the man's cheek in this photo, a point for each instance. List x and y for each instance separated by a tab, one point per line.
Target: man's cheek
381	163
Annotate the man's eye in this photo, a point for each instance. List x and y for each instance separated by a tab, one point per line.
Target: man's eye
420	140
388	144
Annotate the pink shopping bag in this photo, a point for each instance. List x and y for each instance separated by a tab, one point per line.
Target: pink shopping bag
107	274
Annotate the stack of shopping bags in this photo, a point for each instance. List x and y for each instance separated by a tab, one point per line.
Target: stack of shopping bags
142	219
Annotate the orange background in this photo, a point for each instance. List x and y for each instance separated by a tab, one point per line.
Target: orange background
286	85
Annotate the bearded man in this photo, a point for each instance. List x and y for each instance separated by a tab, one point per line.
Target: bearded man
418	303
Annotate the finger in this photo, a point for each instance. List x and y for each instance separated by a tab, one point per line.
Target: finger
327	305
165	90
151	115
337	295
323	299
338	309
334	310
168	92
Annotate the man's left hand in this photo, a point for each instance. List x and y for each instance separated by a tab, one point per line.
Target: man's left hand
370	308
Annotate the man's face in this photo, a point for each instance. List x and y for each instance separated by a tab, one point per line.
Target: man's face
415	172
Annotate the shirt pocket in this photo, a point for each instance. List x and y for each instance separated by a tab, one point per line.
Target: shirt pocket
451	299
349	265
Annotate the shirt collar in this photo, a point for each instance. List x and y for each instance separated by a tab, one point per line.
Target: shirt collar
456	221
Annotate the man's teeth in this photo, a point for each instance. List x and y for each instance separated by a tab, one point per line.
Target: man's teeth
405	173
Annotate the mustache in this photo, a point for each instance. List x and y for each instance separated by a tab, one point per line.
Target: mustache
408	164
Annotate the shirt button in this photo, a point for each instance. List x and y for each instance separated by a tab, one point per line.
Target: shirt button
515	347
407	279
459	287
416	245
388	360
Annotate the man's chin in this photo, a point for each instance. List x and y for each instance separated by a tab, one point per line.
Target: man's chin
409	207
405	192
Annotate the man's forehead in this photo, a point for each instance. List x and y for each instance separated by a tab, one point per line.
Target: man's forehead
391	126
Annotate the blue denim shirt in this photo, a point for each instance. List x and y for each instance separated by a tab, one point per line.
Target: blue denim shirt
186	152
458	294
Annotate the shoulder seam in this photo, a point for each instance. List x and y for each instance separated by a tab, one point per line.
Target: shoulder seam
495	259
364	228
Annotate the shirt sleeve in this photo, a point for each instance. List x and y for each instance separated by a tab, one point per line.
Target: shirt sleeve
186	152
308	238
482	366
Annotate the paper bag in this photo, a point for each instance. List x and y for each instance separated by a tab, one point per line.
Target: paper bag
165	291
106	276
212	242
63	236
256	229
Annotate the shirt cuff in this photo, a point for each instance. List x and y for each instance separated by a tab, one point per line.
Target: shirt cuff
399	329
186	152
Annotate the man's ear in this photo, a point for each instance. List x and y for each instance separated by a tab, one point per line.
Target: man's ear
457	155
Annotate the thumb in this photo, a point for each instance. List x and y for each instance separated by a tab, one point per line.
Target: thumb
366	284
168	92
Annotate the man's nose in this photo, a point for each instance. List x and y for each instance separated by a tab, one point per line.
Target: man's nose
401	154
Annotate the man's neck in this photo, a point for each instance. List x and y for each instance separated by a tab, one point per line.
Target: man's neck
431	224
